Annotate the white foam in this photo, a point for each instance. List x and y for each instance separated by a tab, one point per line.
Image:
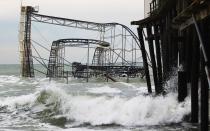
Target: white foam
12	102
127	84
97	110
8	79
104	89
137	111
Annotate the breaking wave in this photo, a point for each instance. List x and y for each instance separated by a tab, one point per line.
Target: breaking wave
51	103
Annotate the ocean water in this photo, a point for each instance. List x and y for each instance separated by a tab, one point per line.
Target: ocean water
42	105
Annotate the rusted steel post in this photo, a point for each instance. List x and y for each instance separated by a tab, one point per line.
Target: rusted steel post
152	55
144	56
158	55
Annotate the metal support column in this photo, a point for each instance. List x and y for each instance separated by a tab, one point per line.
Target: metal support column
88	59
27	69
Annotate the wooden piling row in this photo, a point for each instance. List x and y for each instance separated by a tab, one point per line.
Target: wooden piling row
181	35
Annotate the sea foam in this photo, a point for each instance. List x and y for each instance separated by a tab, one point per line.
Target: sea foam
104	110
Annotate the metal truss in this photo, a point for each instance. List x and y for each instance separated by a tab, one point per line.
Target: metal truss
110	35
101	27
55	67
80	42
69	22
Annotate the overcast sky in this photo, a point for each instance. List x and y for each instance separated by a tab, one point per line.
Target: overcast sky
104	11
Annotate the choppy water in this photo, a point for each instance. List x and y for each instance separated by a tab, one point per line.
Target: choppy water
37	104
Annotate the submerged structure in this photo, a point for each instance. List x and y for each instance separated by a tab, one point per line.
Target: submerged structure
177	33
115	53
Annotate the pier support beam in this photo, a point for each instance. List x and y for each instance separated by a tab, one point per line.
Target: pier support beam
152	55
182	86
204	98
164	49
203	35
195	79
158	55
182	73
144	56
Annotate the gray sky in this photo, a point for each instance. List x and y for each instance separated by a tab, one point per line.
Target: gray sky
104	11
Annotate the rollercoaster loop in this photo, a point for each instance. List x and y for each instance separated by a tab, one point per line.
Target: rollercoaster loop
101	27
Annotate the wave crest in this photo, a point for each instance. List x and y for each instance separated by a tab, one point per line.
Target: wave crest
52	104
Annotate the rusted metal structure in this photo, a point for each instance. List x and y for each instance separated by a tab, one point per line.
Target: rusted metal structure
178	37
56	59
27	69
117	50
100	66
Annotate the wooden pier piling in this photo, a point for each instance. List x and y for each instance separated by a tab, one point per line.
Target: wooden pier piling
184	52
195	79
144	56
158	58
153	60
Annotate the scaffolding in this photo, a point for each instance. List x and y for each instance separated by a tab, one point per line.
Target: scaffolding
26	60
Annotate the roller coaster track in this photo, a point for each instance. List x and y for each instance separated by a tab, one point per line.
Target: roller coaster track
56	65
80	24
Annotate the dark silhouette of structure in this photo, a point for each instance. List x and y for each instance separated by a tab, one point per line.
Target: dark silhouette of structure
179	32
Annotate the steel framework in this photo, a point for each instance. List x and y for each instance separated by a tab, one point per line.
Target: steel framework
27	69
118	48
56	59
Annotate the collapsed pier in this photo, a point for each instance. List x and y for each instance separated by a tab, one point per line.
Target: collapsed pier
177	33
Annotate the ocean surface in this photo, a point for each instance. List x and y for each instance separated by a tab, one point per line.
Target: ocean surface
42	105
